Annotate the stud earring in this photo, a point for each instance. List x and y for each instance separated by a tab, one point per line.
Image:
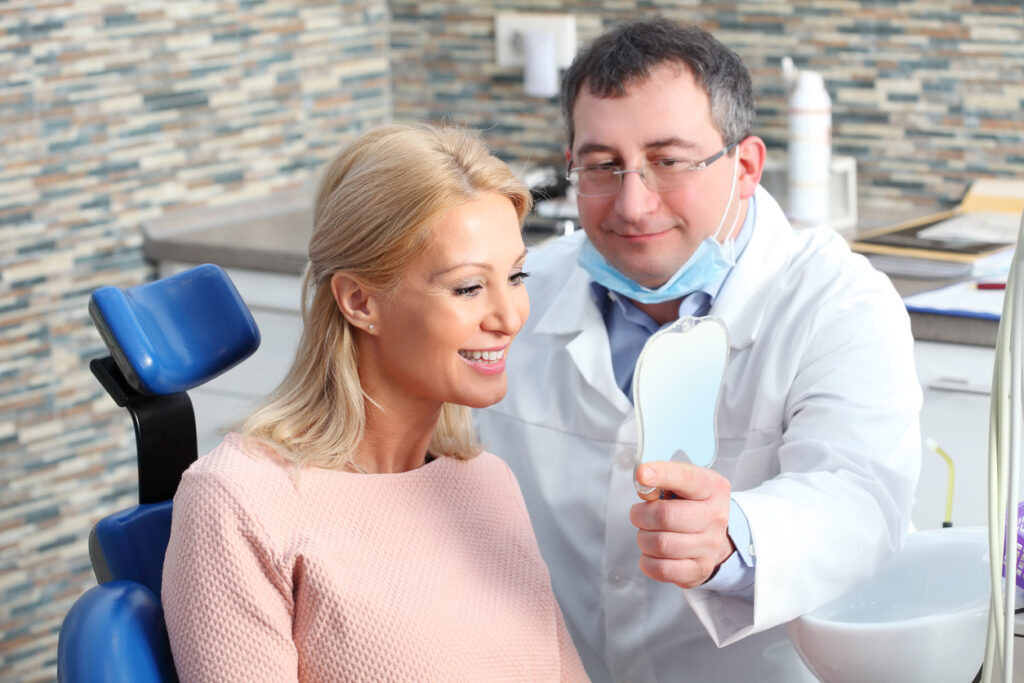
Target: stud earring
371	326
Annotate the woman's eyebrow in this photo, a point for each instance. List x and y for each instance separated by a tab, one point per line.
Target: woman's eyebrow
457	266
473	264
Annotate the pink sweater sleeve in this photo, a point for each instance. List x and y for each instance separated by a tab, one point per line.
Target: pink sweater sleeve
572	666
227	606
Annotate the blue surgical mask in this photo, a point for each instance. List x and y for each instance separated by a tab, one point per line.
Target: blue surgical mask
710	260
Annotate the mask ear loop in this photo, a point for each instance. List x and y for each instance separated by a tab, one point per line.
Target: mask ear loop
728	247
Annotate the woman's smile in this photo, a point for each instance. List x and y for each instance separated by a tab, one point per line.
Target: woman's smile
485	361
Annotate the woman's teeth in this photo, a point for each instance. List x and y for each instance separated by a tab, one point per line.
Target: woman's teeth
486	356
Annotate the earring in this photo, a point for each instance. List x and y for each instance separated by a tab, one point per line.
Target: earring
371	326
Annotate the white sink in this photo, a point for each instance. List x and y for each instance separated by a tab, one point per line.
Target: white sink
923	617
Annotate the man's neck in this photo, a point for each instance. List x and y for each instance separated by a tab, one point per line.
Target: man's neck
661	313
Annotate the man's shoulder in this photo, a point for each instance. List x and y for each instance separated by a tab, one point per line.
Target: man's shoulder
824	256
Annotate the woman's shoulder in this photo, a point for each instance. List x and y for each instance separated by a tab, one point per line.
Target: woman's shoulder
485	461
242	467
487	468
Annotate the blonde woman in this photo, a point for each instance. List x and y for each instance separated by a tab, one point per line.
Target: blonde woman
352	529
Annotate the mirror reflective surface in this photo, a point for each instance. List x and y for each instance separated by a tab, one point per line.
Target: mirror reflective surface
676	387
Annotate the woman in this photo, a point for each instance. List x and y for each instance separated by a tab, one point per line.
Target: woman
352	529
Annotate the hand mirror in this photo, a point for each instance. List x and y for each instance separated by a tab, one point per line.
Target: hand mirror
676	387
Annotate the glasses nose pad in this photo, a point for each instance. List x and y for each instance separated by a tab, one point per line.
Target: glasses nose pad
641	176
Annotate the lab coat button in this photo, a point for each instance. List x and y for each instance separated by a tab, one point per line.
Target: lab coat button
626	460
617	578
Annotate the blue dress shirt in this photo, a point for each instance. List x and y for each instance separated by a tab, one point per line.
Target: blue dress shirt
629	328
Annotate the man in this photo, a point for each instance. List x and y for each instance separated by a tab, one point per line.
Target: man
818	442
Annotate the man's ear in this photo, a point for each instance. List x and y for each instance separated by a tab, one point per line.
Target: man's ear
357	302
752	153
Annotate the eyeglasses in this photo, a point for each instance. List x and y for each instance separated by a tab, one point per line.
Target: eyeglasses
661	175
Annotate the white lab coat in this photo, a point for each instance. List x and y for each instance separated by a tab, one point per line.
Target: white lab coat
818	433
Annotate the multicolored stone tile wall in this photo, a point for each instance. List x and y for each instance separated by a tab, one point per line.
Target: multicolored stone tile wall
927	94
111	114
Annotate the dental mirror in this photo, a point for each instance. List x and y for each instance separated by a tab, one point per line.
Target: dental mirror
676	388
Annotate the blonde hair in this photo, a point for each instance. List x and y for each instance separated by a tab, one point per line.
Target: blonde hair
376	206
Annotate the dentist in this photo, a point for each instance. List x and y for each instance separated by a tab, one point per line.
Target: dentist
818	441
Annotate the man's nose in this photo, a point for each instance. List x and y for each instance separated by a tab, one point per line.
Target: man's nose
635	199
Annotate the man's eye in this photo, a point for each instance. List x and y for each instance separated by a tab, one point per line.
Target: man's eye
670	163
601	169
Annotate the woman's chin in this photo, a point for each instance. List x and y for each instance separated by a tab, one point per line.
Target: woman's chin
484	400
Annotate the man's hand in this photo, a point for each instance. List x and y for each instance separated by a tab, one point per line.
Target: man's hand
682	536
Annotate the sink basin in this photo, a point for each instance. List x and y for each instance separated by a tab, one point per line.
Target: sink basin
923	617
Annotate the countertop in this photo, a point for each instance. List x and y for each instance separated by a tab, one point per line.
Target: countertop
272	235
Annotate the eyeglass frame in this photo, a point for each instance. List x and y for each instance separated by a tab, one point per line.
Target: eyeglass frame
695	166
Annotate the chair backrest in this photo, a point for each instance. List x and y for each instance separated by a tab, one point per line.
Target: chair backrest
130	544
115	632
165	337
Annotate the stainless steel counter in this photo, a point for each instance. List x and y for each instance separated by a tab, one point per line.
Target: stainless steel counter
272	235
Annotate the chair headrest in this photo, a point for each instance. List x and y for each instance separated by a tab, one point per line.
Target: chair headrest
174	334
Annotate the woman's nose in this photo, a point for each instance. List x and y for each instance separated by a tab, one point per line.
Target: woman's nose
505	316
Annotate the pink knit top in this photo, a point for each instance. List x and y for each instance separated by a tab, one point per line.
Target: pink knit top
428	575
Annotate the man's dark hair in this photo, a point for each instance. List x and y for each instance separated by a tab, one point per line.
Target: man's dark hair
627	54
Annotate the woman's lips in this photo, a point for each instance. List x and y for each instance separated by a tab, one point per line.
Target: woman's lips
485	361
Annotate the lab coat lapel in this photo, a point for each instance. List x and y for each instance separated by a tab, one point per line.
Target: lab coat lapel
744	296
573	312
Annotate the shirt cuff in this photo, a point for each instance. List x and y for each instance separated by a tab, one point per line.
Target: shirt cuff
739	532
736	575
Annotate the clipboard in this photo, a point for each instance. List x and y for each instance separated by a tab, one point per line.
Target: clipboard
961	299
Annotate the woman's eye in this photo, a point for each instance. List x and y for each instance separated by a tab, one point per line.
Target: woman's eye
468	290
518	278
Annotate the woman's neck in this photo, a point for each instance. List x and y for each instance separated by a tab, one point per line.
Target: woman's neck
395	440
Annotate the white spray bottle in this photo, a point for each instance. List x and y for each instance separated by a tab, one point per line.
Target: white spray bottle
810	147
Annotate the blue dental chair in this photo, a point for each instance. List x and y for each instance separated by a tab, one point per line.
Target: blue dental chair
165	338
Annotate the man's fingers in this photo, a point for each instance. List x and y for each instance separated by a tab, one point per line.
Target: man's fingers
669	546
684	573
686	516
683	479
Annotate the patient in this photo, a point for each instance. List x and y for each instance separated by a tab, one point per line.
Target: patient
352	529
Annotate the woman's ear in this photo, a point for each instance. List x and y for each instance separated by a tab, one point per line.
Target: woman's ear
752	154
356	301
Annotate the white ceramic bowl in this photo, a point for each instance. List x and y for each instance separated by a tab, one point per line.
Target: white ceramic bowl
921	618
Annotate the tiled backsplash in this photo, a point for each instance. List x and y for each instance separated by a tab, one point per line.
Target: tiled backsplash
115	113
927	95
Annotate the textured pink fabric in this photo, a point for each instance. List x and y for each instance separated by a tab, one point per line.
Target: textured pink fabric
427	575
